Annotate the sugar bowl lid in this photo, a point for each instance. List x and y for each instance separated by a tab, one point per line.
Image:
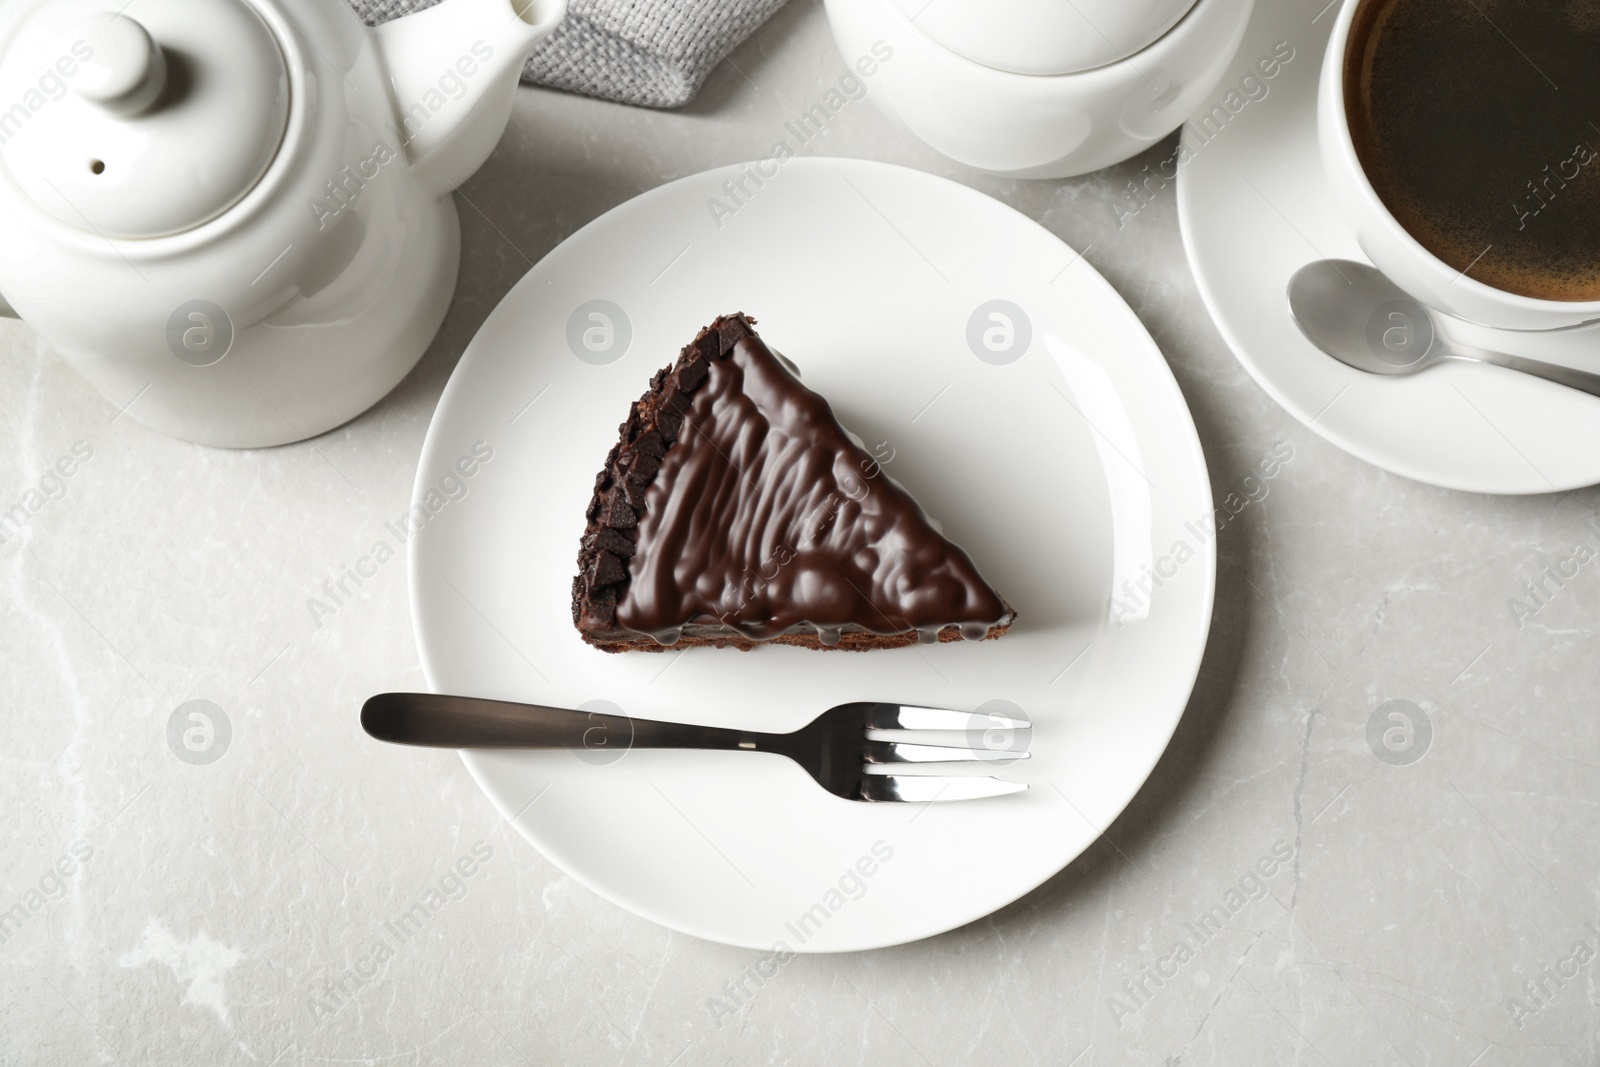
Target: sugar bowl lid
1044	36
140	119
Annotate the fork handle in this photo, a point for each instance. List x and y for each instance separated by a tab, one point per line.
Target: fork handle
438	721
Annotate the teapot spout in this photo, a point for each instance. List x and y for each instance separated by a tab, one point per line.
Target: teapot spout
453	71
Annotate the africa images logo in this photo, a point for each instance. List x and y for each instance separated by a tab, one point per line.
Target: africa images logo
453	485
806	127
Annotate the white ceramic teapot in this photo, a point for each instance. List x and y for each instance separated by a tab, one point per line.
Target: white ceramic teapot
234	217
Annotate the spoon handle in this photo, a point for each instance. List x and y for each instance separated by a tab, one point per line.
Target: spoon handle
1575	379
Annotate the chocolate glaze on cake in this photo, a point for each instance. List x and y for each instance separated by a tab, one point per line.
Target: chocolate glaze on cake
735	509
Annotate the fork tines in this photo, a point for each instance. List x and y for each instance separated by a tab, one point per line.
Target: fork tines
881	784
911	717
926	788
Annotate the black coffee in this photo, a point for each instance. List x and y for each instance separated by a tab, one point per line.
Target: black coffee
1478	123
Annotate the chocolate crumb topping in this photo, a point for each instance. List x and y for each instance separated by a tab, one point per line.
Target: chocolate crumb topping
631	466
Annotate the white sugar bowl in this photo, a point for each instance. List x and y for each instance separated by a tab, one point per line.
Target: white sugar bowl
234	217
1040	88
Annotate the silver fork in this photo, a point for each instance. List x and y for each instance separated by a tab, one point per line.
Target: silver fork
835	748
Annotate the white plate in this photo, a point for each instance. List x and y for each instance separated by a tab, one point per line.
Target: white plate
1254	208
865	275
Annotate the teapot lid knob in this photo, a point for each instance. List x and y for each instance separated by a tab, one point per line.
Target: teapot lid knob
137	119
126	71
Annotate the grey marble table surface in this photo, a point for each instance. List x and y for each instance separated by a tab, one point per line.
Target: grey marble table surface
1431	901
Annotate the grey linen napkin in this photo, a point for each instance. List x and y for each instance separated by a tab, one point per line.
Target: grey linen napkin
650	52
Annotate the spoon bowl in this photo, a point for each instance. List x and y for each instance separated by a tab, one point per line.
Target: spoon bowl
1358	316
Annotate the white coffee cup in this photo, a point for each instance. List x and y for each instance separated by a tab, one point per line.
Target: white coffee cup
1390	247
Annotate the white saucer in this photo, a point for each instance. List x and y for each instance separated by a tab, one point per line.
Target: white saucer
1064	474
1254	207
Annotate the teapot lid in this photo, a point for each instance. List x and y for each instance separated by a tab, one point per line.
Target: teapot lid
1044	36
140	119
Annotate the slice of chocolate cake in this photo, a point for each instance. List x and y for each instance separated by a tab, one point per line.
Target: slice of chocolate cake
735	510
